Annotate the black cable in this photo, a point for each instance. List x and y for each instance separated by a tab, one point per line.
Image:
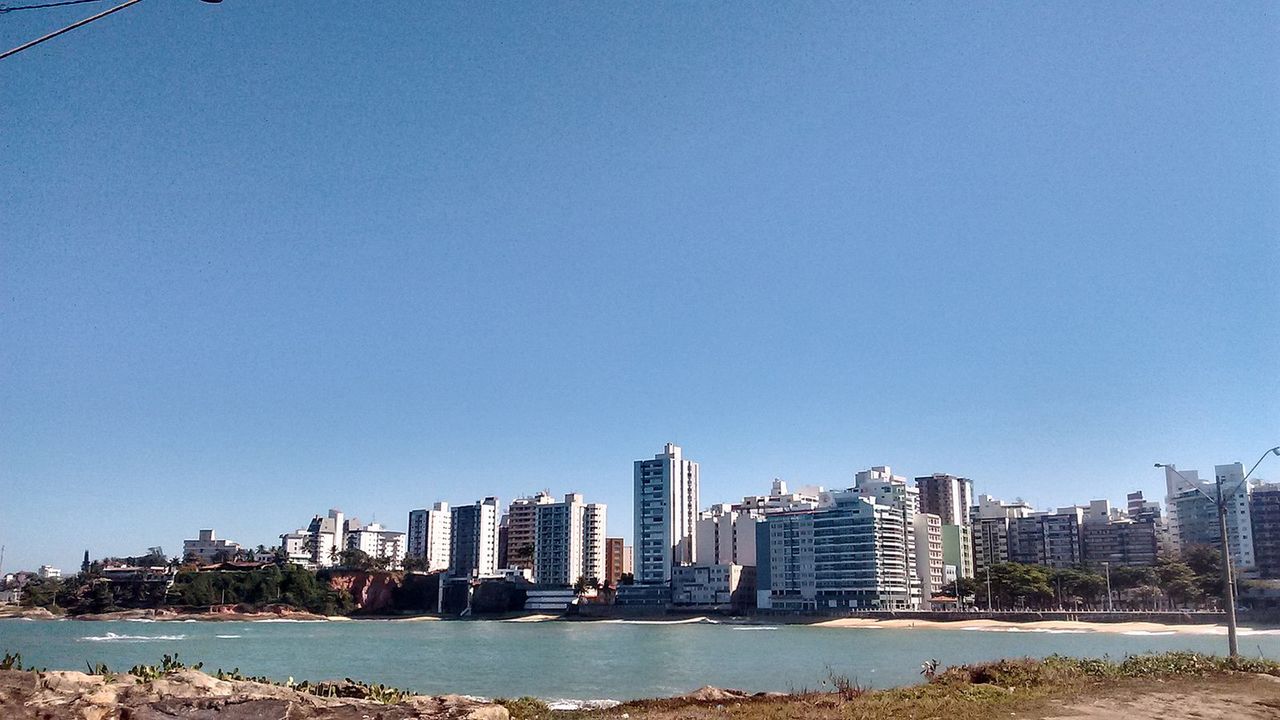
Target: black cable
4	9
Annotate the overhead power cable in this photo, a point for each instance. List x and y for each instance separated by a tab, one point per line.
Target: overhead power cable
5	9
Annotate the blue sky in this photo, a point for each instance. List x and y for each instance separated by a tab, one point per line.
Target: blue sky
263	259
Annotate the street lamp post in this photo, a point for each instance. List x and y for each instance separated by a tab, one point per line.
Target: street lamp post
1228	590
1106	565
76	24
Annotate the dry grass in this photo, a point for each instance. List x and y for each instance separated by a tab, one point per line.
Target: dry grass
1021	688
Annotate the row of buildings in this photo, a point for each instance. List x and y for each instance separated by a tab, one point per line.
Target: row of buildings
888	543
884	542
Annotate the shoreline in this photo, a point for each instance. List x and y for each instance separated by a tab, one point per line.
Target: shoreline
1133	627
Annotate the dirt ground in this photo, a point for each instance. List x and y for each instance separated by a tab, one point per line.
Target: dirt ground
1236	697
1224	697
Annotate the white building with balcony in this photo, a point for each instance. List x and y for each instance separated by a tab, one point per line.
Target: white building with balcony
429	535
208	546
569	542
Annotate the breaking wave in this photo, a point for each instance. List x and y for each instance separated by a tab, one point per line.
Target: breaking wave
686	621
112	637
563	705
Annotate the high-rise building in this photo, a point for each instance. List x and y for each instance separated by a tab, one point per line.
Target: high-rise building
614	560
594	520
666	508
327	538
853	553
569	542
927	529
946	496
725	536
780	499
522	518
957	551
881	486
1140	509
378	543
1049	539
1178	483
429	535
1264	516
1193	512
991	521
473	547
1120	543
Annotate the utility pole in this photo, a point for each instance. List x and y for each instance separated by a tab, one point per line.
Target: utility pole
1107	566
1228	592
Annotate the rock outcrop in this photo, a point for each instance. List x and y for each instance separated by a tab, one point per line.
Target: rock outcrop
372	592
193	695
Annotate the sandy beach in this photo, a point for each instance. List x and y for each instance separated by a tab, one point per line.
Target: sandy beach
1044	626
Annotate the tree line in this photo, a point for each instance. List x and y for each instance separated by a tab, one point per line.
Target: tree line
1191	580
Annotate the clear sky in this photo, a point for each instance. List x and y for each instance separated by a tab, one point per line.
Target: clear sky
261	259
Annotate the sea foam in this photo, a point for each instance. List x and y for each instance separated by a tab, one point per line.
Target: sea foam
113	637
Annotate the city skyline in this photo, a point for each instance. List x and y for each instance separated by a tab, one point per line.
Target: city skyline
257	262
617	526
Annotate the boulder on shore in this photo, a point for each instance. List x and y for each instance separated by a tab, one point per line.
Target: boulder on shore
708	693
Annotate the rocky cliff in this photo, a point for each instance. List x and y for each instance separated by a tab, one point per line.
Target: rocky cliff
372	592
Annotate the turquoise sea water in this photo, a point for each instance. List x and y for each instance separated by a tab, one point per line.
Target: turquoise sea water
566	660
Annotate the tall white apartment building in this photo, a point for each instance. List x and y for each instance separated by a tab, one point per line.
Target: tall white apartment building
927	528
378	543
850	553
327	538
595	556
1193	513
725	535
880	486
569	541
1239	519
429	533
666	509
473	544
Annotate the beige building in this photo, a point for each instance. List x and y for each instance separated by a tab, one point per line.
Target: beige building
520	529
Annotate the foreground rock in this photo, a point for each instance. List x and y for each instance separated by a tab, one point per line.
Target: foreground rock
13	611
193	695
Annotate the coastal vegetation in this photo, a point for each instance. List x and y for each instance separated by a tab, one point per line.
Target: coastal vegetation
1191	579
1183	682
966	692
93	592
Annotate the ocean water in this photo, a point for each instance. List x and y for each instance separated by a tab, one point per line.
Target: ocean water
615	660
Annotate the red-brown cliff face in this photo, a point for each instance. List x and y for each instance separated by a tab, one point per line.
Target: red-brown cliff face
372	592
